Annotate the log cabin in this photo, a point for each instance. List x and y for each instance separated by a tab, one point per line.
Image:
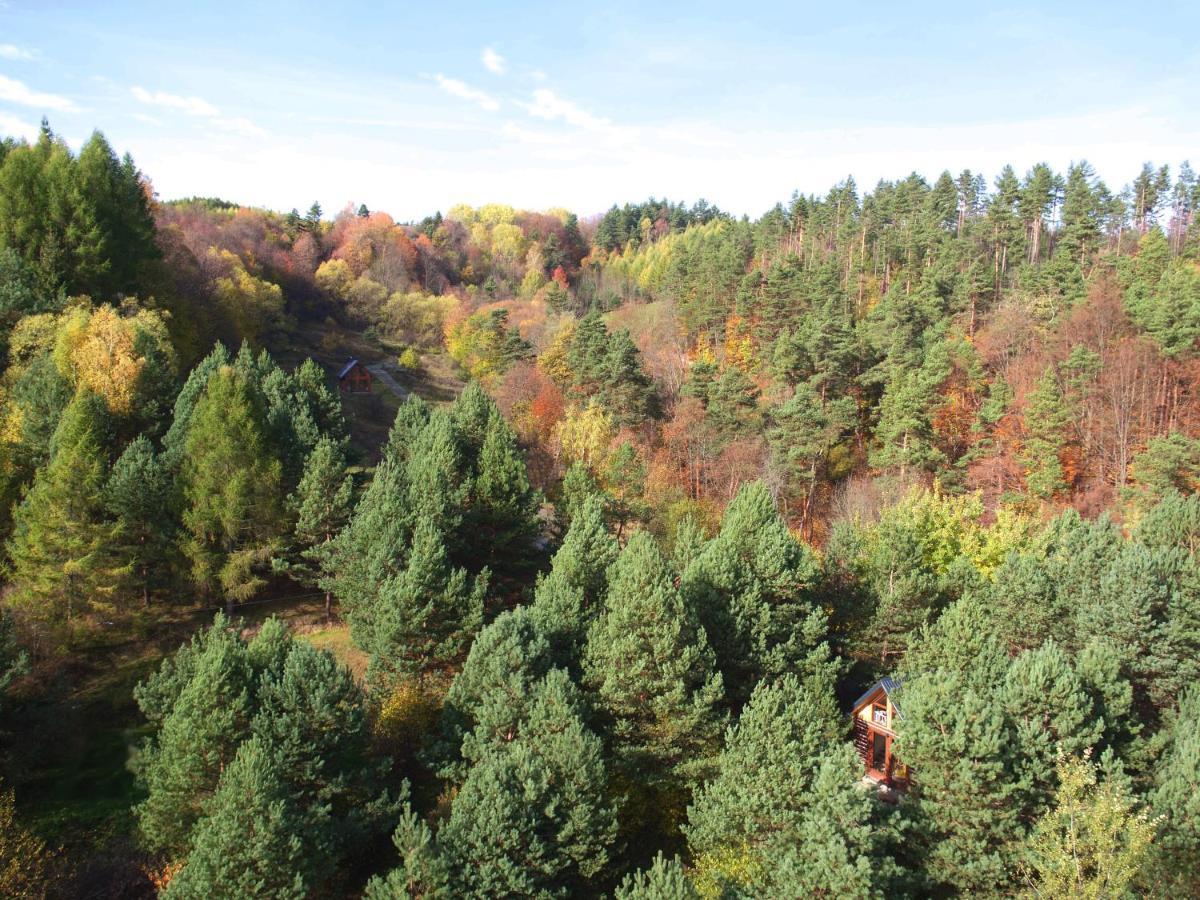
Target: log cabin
876	718
354	378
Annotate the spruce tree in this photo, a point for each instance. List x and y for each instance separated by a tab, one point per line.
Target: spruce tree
231	490
61	537
189	396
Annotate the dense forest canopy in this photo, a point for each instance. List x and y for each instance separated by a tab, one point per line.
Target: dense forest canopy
575	601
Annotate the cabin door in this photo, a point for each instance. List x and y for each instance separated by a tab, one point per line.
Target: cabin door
880	752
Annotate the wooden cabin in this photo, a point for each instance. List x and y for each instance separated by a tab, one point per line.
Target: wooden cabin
354	378
876	717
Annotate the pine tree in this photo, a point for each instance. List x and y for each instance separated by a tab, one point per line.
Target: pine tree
205	709
61	538
502	514
753	588
423	872
652	671
838	848
567	600
1050	713
534	817
969	803
765	773
322	504
138	496
251	843
1047	418
231	490
1174	796
491	694
313	720
427	616
663	880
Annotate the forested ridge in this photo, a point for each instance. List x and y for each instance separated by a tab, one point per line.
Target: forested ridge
575	601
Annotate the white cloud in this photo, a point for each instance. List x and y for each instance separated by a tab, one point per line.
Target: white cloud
196	106
548	105
15	53
11	126
464	91
493	61
16	92
193	106
238	125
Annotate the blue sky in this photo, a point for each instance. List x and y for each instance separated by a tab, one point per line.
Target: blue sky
412	107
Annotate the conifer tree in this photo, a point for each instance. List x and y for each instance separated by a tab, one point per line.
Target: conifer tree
503	506
427	616
251	843
231	490
491	694
322	504
534	817
138	496
1048	417
189	396
1174	796
202	726
766	771
653	672
838	847
753	588
567	600
969	803
61	537
663	880
422	873
312	718
1050	713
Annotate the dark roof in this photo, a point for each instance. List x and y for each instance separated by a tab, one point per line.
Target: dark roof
346	368
891	687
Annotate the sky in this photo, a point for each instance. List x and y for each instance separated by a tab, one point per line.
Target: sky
415	107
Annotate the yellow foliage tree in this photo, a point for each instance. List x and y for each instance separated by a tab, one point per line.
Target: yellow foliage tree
252	305
584	435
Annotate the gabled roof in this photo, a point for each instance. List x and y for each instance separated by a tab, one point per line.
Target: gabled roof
347	367
891	686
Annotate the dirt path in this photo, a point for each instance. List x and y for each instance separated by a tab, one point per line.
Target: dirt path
388	381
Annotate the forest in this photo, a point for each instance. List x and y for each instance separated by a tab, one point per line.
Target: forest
575	599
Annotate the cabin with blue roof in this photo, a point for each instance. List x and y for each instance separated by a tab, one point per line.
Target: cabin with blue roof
877	717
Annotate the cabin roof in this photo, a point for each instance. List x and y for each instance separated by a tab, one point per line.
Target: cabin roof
347	367
890	686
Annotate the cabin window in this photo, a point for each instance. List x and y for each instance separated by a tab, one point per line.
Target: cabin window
879	714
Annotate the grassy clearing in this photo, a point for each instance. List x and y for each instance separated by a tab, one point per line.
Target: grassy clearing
336	639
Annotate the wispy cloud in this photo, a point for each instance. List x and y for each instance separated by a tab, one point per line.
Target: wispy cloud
15	53
548	105
464	91
16	92
493	61
193	106
11	126
201	108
